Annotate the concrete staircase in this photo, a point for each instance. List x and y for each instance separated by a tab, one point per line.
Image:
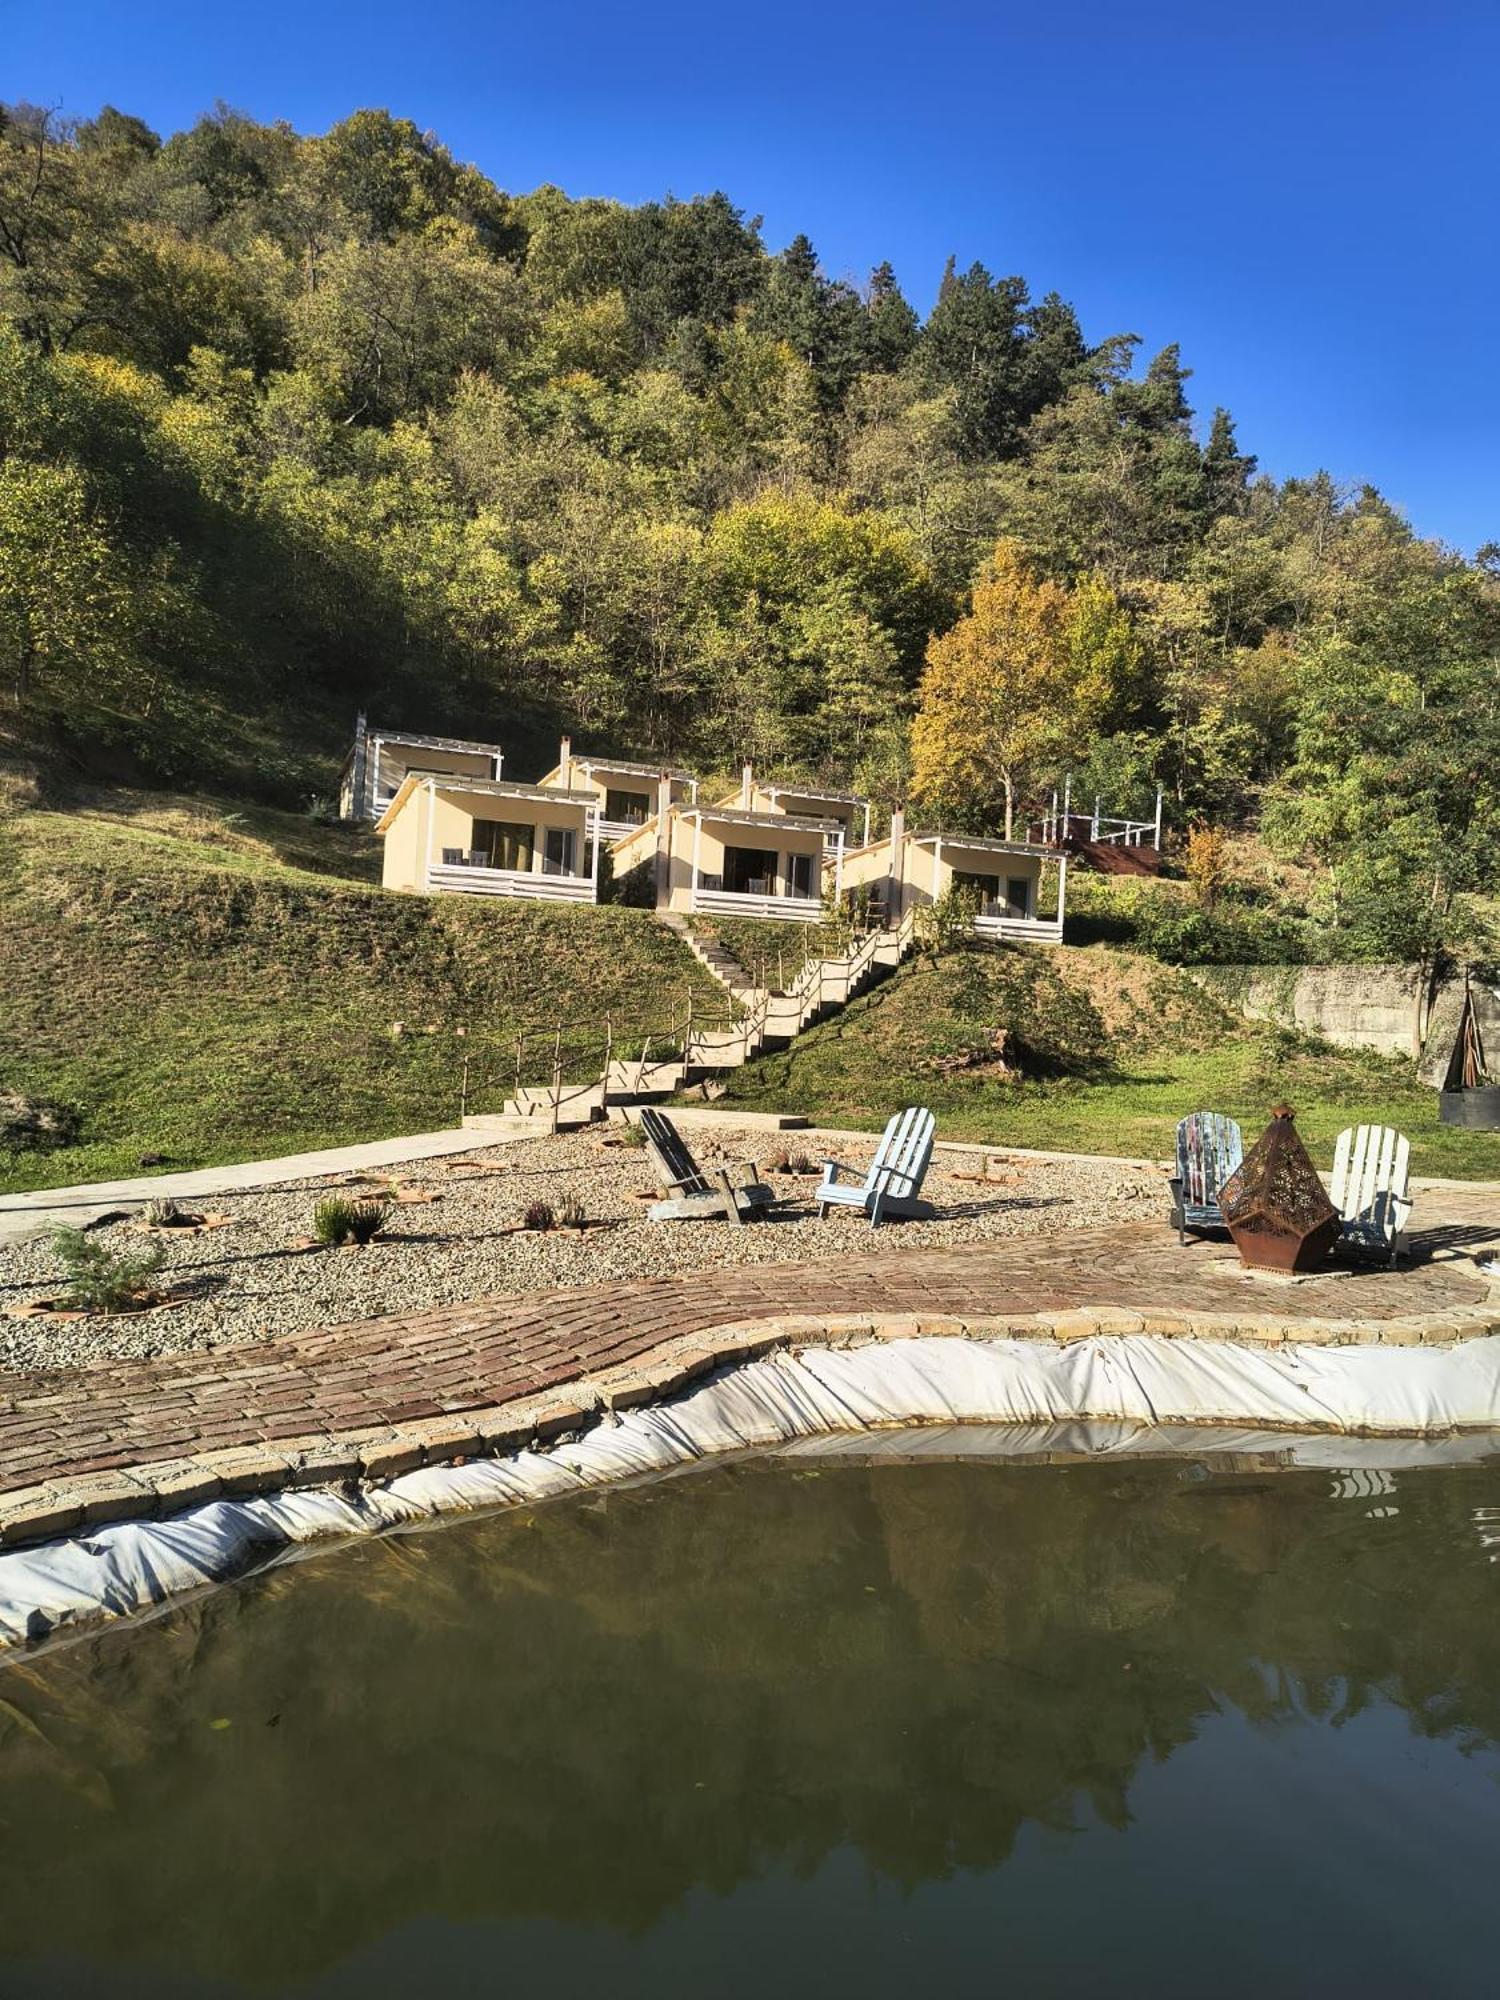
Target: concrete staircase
762	1019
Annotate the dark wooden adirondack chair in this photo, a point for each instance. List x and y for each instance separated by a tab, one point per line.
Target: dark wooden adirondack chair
1209	1150
691	1194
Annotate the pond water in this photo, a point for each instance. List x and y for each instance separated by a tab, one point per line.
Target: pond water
804	1725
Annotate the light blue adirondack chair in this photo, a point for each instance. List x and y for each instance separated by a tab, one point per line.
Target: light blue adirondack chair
1209	1150
895	1177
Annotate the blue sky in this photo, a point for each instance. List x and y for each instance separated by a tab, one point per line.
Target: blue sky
1303	196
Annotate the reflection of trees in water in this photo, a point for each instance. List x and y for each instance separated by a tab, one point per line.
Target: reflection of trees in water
584	1713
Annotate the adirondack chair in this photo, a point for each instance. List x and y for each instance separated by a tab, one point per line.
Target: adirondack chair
895	1176
1370	1188
691	1194
1209	1149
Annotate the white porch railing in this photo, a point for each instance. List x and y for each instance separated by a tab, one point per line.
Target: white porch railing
611	830
1041	930
740	903
511	882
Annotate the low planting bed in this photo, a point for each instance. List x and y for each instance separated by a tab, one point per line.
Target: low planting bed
457	1230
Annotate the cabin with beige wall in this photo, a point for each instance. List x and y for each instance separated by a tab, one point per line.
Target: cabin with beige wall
725	861
624	792
489	838
382	758
909	870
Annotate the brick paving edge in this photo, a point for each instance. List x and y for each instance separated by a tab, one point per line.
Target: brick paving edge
54	1508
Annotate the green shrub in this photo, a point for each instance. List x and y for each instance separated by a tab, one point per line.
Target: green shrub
1159	919
369	1218
333	1220
633	1136
102	1280
338	1220
163	1214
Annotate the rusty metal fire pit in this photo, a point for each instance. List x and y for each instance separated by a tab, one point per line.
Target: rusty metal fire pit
1274	1205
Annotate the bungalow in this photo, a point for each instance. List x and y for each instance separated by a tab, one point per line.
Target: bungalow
381	758
912	870
625	793
842	810
728	860
489	837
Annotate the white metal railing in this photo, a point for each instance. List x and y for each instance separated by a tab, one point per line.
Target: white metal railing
1062	824
511	882
994	923
1125	832
740	903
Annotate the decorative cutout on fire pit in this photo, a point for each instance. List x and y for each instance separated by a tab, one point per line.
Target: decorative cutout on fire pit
1274	1205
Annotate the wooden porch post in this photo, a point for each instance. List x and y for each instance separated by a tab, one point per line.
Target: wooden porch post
697	840
1062	889
1067	804
1157	842
431	827
838	869
595	850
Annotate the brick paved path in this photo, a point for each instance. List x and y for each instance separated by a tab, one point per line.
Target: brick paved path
450	1359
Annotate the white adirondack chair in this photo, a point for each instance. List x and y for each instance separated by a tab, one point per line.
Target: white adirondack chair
896	1174
1370	1187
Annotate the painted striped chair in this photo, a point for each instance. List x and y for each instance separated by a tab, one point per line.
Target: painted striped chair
1209	1149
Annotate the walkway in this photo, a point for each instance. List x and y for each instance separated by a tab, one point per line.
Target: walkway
33	1214
379	1396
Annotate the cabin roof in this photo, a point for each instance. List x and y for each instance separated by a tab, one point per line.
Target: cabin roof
625	769
765	822
480	788
414	742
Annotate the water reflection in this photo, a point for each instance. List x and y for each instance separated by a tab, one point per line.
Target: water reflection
719	1686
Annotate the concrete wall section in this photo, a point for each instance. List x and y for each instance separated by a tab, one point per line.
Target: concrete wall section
1389	1008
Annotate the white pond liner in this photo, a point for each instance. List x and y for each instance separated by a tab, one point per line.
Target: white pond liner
1114	1394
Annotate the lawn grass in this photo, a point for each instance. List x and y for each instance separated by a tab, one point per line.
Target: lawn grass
216	984
1115	1050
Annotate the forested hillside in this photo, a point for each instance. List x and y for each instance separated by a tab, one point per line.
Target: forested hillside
291	425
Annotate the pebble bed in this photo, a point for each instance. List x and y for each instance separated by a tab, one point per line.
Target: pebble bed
247	1281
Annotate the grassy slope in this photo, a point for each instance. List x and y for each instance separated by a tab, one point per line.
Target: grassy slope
217	984
1118	1049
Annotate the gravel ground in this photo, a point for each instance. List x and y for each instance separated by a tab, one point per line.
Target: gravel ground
248	1281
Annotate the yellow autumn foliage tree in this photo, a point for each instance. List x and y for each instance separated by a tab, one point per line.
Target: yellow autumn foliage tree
1017	687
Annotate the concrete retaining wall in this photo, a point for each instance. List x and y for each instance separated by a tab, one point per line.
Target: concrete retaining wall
1390	1008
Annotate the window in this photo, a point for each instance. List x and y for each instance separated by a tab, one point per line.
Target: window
633	807
799	875
985	887
750	871
557	854
503	843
